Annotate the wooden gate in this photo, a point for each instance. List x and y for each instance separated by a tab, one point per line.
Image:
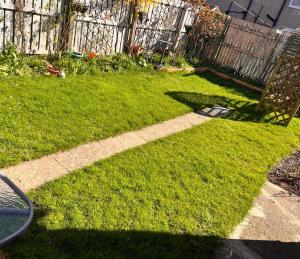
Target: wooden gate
105	25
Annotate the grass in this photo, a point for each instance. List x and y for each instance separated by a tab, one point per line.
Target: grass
44	115
173	198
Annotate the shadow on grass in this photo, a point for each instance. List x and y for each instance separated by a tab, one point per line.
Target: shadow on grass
229	85
240	110
237	90
40	242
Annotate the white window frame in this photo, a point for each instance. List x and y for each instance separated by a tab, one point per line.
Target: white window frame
294	6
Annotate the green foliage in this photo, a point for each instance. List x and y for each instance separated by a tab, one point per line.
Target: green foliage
36	64
170	60
155	58
13	63
76	66
142	61
117	62
179	61
196	62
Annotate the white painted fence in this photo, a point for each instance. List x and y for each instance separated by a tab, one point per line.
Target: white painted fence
103	28
39	37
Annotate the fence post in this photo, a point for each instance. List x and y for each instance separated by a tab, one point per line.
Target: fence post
266	71
180	27
66	30
20	23
133	17
221	39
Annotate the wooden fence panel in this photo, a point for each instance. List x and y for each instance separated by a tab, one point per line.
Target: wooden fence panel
39	33
248	49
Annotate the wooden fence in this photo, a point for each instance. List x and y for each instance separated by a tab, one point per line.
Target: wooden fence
250	50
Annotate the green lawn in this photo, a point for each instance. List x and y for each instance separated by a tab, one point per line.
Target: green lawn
43	115
173	198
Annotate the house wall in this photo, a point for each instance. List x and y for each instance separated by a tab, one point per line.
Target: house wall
290	17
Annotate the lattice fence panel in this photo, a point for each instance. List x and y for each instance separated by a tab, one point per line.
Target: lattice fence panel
102	28
283	92
161	22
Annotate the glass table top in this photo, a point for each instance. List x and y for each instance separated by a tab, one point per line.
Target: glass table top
15	211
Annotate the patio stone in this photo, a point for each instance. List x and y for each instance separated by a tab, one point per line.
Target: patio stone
32	174
90	153
271	229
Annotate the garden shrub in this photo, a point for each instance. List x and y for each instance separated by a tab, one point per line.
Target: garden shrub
13	63
196	62
169	60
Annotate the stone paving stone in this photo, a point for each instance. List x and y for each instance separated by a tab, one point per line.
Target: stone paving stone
32	174
195	118
90	153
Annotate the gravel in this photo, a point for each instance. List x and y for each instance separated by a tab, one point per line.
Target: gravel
287	173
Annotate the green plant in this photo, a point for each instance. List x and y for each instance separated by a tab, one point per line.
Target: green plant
179	61
122	61
196	62
116	62
12	62
169	60
75	66
142	61
36	63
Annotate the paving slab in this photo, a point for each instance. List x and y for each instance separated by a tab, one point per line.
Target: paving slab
271	230
90	153
32	174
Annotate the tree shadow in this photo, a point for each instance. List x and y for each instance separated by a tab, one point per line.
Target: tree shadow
240	110
229	85
40	242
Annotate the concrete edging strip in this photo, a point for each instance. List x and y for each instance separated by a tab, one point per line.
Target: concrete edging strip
32	174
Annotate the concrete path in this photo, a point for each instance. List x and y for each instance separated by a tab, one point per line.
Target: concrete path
32	174
271	230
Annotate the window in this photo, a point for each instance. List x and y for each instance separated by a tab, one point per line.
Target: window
295	4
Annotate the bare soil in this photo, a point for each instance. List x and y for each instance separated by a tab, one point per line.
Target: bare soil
287	173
